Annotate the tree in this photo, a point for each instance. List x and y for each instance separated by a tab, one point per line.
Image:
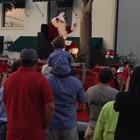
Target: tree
86	31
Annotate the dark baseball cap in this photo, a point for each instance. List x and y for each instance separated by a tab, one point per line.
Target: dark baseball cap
28	55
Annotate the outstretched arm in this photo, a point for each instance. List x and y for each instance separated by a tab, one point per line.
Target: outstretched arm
100	125
49	113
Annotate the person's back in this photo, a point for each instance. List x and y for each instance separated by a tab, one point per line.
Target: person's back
26	96
106	123
98	95
128	106
59	60
23	88
66	91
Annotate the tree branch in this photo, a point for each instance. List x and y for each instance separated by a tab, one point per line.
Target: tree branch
85	1
89	5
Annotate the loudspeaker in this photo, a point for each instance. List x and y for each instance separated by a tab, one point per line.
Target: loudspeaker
1	44
44	29
44	49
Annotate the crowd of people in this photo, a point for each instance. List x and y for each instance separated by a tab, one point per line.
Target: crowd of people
42	106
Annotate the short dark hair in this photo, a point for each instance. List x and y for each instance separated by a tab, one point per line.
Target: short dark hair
15	66
105	75
58	42
27	63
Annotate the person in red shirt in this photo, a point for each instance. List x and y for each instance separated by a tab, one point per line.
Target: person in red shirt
28	101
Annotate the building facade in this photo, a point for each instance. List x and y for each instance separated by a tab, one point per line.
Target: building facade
37	12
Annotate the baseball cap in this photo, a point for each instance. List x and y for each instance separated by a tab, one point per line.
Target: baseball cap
28	55
114	65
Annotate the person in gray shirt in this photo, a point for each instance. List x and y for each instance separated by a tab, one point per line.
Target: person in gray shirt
97	96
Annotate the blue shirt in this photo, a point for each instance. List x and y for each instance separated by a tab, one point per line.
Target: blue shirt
3	116
60	61
66	91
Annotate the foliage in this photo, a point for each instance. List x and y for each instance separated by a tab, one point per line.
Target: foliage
127	59
80	59
98	58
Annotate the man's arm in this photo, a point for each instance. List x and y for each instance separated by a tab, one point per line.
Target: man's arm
87	108
100	125
49	113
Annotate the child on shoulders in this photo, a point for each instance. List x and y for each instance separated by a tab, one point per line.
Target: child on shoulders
60	59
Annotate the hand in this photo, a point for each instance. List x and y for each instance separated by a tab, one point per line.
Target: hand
127	84
77	19
74	24
61	15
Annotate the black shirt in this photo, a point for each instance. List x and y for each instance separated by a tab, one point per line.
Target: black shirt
128	106
115	82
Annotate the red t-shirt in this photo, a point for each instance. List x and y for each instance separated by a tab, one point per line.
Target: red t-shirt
25	94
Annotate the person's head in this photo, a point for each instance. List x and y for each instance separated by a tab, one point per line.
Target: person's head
58	42
135	80
105	75
28	57
15	66
60	20
114	68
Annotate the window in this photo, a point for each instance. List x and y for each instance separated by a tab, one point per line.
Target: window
12	17
54	10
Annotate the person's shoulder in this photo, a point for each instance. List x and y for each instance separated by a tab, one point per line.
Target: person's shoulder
108	104
51	54
39	76
108	109
73	78
68	54
122	94
12	76
63	52
112	89
95	87
74	81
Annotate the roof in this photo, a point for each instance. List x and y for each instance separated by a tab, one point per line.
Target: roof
23	42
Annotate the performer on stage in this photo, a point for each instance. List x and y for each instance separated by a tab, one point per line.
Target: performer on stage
57	27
